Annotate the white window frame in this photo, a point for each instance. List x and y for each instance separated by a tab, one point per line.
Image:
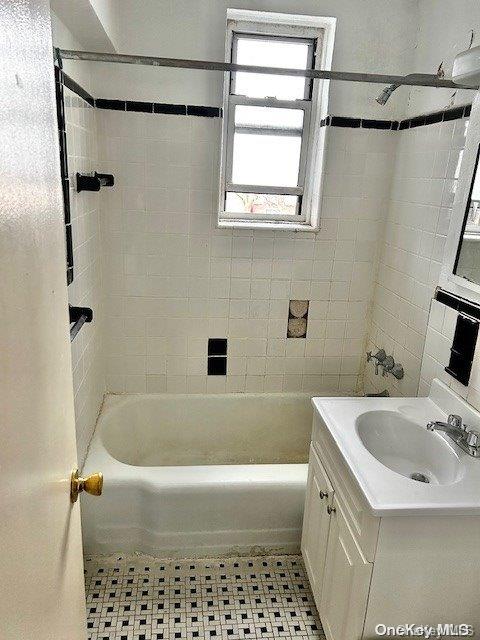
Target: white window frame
315	108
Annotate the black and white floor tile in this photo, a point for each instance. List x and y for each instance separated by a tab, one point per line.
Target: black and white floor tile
143	598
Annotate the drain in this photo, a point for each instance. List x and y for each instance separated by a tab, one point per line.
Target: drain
420	477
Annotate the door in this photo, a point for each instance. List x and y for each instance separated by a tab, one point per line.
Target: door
41	576
316	523
346	582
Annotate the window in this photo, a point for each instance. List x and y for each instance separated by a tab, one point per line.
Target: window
272	144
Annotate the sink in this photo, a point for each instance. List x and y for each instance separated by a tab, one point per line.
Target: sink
409	449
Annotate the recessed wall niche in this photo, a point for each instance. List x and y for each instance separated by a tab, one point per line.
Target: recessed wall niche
297	319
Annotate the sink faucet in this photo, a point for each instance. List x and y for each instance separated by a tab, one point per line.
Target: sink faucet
467	439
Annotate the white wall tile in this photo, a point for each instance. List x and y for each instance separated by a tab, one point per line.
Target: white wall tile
172	274
88	348
412	253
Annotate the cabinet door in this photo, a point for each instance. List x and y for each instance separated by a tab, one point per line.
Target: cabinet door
316	523
346	582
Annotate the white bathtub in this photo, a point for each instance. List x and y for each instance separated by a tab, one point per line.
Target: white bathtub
193	475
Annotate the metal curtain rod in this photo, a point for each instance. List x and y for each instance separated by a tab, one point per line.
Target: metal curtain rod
419	80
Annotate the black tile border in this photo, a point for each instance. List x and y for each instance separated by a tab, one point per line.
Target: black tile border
137	106
205	112
462	305
140	107
62	143
76	88
114	105
173	109
446	115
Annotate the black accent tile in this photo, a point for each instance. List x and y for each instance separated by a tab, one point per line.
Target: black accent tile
69	245
463	349
376	124
142	107
71	84
418	121
404	124
116	105
206	112
453	114
339	121
174	109
446	298
457	303
217	346
469	309
467	111
433	118
217	366
66	200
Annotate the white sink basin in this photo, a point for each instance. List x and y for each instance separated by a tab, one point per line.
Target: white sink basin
408	449
383	441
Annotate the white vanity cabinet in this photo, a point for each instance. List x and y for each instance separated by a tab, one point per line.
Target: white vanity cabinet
346	580
338	571
316	523
367	570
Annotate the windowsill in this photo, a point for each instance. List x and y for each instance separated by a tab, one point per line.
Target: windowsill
260	224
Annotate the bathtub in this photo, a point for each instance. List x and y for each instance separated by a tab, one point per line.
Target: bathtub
198	475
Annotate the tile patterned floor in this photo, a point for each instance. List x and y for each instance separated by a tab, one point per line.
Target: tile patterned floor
143	598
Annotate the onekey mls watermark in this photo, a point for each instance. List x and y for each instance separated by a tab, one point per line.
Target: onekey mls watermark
412	630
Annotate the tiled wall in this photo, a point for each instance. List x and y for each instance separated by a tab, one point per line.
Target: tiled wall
174	280
423	188
86	288
439	338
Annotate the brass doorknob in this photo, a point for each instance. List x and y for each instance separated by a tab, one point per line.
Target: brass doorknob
92	484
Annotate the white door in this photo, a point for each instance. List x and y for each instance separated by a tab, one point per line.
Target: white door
41	576
346	582
316	523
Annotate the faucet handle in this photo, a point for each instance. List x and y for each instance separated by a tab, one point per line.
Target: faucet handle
473	438
455	421
379	356
387	365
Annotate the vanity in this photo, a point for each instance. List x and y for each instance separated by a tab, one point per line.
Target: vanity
381	547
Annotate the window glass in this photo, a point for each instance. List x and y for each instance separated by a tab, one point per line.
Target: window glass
262	203
268	160
268	117
271	53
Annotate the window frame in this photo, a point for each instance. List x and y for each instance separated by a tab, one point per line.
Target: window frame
318	33
250	188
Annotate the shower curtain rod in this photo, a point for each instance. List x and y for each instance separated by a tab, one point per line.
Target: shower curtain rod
419	80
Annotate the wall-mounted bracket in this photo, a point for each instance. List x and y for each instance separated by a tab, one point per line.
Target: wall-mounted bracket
95	182
78	317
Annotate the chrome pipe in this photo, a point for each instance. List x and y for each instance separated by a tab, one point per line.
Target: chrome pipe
419	80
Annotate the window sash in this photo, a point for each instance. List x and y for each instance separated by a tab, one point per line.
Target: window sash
305	106
311	42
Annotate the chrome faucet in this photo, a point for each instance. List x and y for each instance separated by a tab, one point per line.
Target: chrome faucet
386	363
467	439
378	357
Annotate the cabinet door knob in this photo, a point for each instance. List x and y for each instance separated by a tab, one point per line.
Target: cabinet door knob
323	494
330	509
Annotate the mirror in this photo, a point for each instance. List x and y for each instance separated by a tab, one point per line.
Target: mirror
467	263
